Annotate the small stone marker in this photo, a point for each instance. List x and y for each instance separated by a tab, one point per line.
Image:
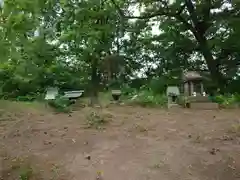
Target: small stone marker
51	93
116	94
172	93
73	94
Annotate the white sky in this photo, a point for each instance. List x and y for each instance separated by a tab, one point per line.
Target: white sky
155	28
136	12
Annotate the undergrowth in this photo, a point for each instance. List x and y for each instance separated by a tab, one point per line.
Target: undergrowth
226	101
96	120
60	104
16	168
147	98
25	173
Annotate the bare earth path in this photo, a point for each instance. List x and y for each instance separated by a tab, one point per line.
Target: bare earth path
136	144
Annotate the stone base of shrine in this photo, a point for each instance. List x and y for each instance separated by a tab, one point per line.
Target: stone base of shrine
204	105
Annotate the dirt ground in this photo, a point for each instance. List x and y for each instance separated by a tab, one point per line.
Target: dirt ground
133	143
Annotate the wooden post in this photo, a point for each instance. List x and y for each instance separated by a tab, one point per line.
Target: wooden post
191	88
169	102
202	89
186	89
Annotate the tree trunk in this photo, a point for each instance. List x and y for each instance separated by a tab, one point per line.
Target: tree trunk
94	83
212	64
199	34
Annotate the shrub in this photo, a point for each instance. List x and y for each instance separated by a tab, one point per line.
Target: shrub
148	98
60	104
218	99
25	173
227	100
26	98
158	85
127	90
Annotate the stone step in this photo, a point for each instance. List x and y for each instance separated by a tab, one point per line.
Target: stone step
204	105
172	106
197	99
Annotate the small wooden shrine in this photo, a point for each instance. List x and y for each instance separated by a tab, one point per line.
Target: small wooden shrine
192	83
193	92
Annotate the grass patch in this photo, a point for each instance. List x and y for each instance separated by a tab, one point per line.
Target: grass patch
148	99
15	106
97	120
227	101
235	129
60	104
16	168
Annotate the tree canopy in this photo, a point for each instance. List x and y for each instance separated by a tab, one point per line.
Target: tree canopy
88	43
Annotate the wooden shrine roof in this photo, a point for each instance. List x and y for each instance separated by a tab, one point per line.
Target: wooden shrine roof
191	76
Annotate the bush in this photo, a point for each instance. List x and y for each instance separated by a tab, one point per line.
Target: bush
60	104
25	98
148	98
158	85
25	173
30	97
227	100
127	90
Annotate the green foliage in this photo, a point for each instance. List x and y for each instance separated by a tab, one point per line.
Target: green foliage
148	98
66	44
158	85
227	100
60	104
26	98
25	173
127	90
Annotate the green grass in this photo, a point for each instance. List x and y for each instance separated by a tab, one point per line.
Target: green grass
149	99
60	104
227	101
25	173
18	105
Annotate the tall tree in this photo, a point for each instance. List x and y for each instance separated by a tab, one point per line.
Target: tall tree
89	32
198	17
